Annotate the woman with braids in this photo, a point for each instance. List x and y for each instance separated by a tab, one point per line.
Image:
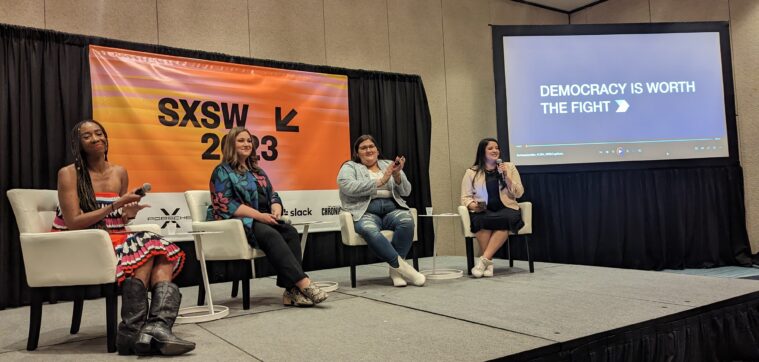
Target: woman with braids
240	189
489	190
93	194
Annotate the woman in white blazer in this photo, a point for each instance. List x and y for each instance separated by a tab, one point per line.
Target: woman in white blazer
489	190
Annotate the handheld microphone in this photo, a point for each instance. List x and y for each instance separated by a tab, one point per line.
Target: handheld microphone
498	163
144	189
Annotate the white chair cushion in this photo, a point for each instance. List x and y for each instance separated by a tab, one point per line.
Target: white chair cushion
351	238
231	244
78	257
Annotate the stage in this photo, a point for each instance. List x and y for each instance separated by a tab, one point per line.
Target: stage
516	314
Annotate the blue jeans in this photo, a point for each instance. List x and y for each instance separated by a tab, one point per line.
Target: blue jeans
383	214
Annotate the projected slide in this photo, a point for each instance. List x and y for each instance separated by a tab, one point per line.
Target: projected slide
609	98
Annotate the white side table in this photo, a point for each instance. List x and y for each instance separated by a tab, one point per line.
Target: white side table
327	286
202	313
439	274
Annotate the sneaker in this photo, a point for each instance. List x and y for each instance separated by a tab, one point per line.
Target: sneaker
482	264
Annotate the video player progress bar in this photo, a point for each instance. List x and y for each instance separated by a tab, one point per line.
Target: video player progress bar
624	142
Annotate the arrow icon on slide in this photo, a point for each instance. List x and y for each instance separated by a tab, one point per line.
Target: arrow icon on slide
622	105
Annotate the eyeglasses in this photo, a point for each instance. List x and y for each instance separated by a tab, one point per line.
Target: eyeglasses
367	147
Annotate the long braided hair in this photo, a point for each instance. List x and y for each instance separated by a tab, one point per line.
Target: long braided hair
84	188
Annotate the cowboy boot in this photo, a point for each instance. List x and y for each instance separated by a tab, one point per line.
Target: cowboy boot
313	293
134	311
156	335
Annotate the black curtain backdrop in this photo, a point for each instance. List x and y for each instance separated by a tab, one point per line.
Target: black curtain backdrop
643	219
45	90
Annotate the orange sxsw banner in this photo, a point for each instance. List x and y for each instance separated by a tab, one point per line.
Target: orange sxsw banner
166	117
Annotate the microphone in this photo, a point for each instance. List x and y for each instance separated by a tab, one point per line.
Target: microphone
144	189
498	163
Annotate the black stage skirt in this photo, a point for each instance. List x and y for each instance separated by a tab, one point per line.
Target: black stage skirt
503	219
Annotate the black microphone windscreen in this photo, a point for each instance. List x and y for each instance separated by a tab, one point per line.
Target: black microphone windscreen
142	190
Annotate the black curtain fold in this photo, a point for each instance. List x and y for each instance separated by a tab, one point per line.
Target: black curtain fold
45	89
43	82
395	111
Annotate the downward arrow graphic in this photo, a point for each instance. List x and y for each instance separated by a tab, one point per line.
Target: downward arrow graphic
622	105
283	123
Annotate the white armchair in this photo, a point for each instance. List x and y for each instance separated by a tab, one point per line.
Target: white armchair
68	258
232	244
352	239
526	230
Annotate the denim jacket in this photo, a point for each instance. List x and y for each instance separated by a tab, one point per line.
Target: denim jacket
357	187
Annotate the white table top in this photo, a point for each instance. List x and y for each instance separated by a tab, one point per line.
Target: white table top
447	214
187	236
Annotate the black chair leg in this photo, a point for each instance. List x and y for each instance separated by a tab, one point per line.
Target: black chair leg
35	318
234	288
353	266
52	296
201	294
414	255
246	286
529	258
111	303
469	254
76	317
511	258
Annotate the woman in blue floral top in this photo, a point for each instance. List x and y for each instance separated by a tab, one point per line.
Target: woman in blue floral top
240	189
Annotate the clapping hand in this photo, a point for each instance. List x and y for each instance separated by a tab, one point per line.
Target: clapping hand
400	161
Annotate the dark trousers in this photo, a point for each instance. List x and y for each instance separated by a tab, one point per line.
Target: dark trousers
281	243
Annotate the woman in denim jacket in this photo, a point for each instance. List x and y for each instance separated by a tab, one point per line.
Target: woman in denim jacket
371	189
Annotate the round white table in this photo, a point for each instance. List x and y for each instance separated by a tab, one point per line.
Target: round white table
327	286
201	313
435	273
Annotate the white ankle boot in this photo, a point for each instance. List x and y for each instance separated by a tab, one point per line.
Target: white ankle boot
409	273
482	264
488	271
398	280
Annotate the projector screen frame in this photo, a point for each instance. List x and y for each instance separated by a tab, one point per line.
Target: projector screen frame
722	28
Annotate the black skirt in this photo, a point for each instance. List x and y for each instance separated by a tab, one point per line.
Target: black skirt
503	219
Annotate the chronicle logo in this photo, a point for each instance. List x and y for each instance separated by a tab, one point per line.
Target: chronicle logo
169	218
331	210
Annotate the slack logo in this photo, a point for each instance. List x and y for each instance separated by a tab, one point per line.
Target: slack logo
169	218
298	212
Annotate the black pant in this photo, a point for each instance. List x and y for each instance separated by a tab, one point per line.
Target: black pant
281	243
